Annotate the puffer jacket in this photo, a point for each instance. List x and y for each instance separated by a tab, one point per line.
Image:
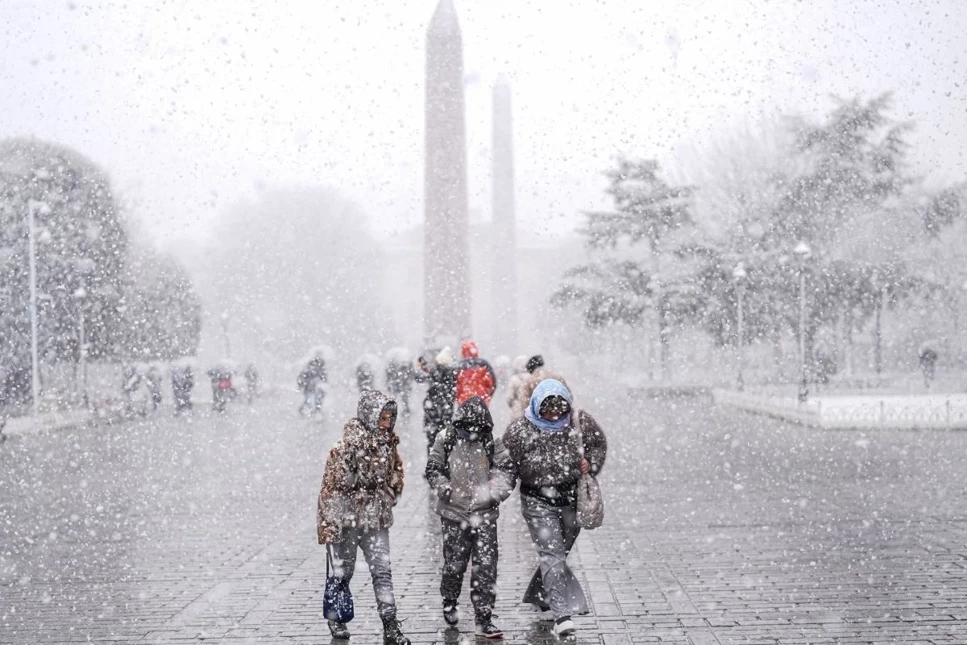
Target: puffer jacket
469	470
548	464
363	480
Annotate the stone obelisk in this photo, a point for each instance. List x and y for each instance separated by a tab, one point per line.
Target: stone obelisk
446	250
504	295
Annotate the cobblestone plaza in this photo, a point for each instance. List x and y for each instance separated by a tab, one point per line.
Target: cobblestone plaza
721	528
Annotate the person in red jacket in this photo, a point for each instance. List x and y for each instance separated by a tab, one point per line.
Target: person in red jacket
475	376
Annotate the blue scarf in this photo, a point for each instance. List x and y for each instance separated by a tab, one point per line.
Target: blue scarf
544	390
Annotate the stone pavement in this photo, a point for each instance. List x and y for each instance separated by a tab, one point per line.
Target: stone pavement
722	528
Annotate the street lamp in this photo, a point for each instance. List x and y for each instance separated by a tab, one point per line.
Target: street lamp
228	346
32	207
803	252
739	275
81	296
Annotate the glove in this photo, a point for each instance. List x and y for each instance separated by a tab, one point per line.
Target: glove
443	491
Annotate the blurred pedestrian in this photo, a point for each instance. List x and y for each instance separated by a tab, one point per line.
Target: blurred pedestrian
518	378
475	376
536	372
549	461
470	473
928	363
366	374
399	378
182	383
440	394
154	378
252	382
312	382
363	481
223	390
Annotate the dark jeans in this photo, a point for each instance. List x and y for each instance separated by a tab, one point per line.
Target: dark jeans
375	546
461	542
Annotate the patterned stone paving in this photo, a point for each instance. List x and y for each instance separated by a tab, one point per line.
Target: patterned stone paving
722	528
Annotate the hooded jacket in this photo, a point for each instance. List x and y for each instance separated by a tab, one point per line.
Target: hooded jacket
438	404
469	470
475	376
548	463
363	480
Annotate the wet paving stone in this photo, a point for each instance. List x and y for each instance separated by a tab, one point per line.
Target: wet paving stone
721	529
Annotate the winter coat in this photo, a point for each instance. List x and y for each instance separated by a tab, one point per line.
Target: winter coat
438	404
475	377
469	471
363	480
521	398
515	394
548	464
312	373
399	377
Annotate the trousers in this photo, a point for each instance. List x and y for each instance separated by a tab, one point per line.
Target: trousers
461	543
375	548
553	529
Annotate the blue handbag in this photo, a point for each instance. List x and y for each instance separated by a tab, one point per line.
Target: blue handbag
337	603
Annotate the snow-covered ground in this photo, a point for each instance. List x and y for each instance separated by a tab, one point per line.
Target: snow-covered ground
872	411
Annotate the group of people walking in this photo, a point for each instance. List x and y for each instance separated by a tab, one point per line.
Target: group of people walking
548	447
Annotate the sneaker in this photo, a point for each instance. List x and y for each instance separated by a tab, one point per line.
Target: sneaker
564	627
338	630
451	613
487	629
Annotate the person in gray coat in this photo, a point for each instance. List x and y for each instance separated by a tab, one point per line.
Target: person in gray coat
549	460
470	473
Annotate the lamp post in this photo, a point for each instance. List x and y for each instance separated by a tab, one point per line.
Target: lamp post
228	345
32	254
81	296
739	275
803	252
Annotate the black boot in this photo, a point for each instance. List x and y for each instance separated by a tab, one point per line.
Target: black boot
391	632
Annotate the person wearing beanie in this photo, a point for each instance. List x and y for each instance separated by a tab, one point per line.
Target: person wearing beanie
536	372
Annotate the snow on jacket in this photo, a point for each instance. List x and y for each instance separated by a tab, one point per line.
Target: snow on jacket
469	470
547	463
363	480
475	377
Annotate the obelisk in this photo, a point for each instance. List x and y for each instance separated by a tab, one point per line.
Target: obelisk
446	250
504	297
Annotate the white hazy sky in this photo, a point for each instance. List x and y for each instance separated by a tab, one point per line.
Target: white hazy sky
192	104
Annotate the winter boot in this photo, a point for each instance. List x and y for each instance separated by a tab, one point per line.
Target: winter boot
338	630
451	612
391	632
487	629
